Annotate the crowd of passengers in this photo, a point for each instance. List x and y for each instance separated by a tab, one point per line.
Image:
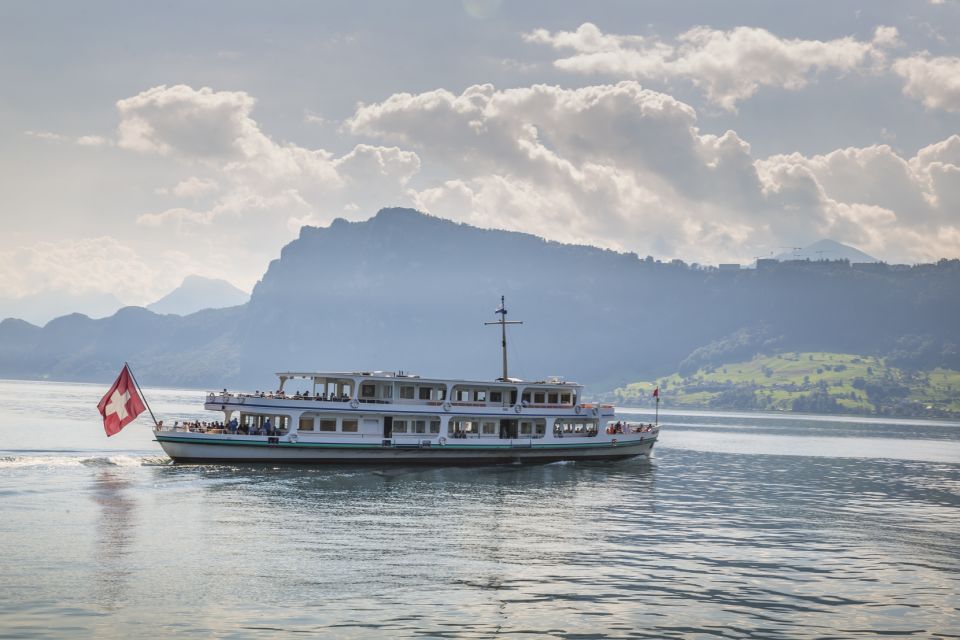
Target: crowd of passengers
198	426
626	427
299	395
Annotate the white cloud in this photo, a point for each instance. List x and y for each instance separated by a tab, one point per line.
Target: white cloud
729	66
254	174
933	80
196	123
194	187
628	168
83	141
92	141
47	136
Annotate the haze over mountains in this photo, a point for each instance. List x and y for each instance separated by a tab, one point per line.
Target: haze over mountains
197	293
194	294
404	290
827	250
40	308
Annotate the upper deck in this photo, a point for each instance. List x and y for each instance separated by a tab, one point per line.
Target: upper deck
399	388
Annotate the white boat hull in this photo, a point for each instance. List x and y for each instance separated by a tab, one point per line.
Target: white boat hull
189	447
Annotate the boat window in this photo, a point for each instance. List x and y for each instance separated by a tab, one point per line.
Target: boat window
489	428
399	426
481	396
424	393
442	394
350	426
406	393
565	398
552	398
576	427
387	391
434	426
367	390
306	424
526	428
419	426
463	395
328	425
526	396
496	396
538	397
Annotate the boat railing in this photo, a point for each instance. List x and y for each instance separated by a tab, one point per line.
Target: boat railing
492	436
194	427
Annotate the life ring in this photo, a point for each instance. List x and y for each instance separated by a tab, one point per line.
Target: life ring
354	404
517	408
446	406
614	441
293	438
577	409
442	441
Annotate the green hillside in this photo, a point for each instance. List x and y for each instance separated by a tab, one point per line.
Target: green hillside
816	382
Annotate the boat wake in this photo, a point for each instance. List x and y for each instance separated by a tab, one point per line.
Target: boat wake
66	460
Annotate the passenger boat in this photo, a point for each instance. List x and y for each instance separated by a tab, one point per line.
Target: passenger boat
401	418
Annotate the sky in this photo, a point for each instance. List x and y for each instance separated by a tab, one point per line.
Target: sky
141	143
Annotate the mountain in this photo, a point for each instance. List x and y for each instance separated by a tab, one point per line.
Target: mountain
828	250
197	293
404	290
40	308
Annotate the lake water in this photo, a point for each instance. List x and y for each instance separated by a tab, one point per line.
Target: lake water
741	525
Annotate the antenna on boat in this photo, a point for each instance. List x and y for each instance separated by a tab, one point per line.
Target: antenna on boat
503	322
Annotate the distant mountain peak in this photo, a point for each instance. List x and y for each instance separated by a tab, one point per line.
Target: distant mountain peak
827	249
196	293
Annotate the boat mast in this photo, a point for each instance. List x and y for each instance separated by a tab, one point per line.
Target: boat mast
503	322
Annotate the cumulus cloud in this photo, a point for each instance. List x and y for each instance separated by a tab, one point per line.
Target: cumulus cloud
933	80
729	66
629	168
254	173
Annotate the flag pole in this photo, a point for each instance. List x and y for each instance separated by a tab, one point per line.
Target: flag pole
656	394
127	365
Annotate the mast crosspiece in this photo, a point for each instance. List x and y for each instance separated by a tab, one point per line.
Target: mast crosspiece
503	322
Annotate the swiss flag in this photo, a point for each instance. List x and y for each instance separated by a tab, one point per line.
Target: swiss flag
121	405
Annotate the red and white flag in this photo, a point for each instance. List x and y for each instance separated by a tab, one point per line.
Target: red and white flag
656	393
121	405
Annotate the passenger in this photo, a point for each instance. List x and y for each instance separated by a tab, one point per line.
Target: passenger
265	429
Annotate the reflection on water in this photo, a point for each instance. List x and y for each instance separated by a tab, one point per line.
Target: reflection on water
740	526
114	536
